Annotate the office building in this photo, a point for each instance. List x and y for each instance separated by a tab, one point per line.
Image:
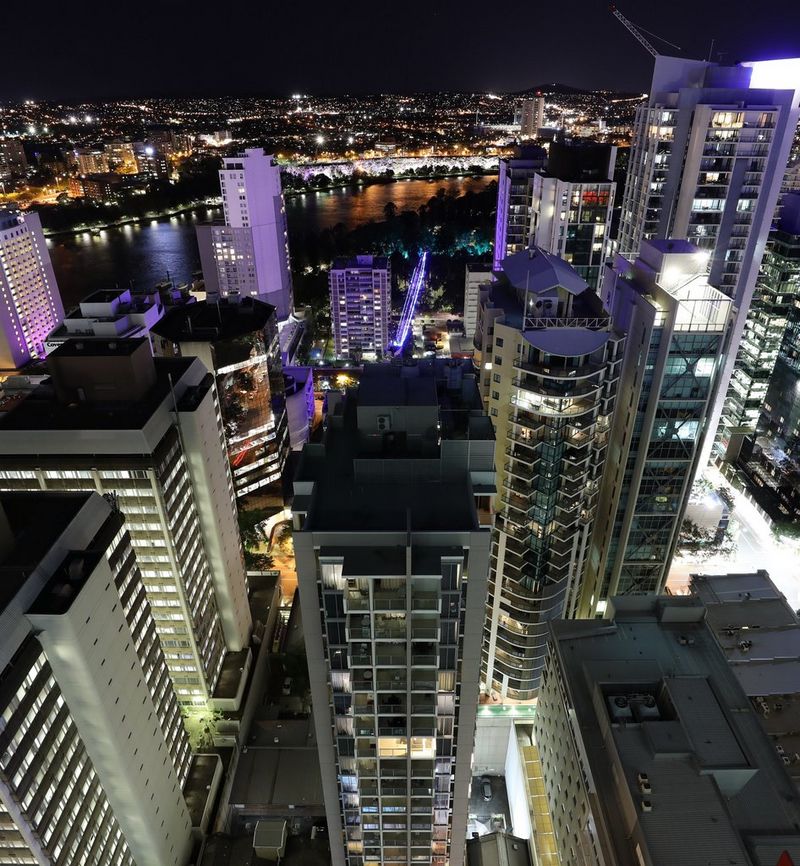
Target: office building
108	314
392	545
708	159
514	199
361	299
147	432
677	326
476	274
549	357
572	201
31	304
93	754
779	281
531	117
651	752
249	253
13	162
237	339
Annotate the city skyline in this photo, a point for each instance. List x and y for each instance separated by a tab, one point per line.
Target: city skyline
442	35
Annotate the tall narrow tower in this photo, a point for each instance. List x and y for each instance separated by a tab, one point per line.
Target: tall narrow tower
709	155
248	254
392	544
30	306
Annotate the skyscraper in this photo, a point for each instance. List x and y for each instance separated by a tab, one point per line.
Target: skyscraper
475	275
13	162
677	327
361	298
392	544
514	194
93	754
572	201
149	433
550	359
780	276
708	159
249	253
31	305
237	339
531	117
651	752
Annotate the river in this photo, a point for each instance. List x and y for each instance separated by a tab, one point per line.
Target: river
145	253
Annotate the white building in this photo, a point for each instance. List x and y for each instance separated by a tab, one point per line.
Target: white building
249	254
361	298
148	432
531	117
392	544
108	314
572	202
93	755
476	274
708	159
651	753
30	304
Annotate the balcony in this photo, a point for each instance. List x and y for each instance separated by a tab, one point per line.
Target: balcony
390	601
386	656
424	601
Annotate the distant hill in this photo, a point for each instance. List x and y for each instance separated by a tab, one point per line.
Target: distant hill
564	90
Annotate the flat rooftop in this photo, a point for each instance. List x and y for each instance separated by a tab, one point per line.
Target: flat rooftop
41	409
36	521
653	686
211	322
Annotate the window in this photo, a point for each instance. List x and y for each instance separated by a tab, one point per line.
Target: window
499	342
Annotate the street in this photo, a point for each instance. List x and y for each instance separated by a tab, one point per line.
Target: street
756	547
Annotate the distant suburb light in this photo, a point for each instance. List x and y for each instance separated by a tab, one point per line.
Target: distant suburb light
781	74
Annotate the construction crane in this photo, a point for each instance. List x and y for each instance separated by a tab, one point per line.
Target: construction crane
638	33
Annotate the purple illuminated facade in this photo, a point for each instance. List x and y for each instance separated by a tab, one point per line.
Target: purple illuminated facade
30	303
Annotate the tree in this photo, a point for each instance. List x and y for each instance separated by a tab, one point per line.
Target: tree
390	210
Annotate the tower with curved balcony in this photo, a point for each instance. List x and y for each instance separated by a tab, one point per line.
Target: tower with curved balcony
550	359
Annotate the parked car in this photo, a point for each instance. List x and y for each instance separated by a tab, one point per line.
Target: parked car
287	686
486	788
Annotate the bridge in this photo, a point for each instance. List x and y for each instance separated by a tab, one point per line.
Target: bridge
415	286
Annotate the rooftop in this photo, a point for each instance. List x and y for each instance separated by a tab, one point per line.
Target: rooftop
376	263
537	271
205	321
653	686
41	410
35	520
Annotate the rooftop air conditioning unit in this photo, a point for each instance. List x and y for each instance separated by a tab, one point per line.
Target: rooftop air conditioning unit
647	806
384	423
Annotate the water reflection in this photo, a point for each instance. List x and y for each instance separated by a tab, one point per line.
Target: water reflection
144	253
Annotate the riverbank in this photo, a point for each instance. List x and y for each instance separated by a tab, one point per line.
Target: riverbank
216	201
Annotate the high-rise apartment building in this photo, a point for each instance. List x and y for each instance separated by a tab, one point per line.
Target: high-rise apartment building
248	255
572	201
93	754
779	286
121	156
13	162
148	432
708	159
514	199
531	117
237	339
361	299
677	327
550	357
31	304
91	160
651	753
392	545
476	274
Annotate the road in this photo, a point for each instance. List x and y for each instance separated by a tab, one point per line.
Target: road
756	547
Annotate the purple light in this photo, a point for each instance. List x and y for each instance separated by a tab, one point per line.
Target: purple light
781	74
412	296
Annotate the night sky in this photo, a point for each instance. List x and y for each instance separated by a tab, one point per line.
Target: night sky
53	49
